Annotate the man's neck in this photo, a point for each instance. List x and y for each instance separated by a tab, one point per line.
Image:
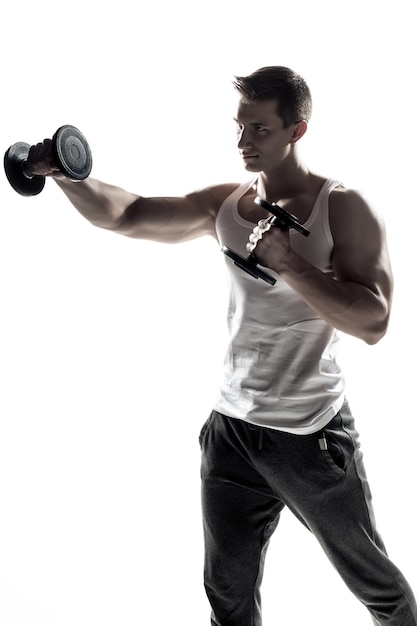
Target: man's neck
291	179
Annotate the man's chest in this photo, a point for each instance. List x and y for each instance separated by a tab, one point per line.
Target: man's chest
301	207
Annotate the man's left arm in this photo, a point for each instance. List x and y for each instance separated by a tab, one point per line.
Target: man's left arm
357	299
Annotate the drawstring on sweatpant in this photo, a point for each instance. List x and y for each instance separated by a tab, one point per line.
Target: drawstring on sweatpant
261	438
261	434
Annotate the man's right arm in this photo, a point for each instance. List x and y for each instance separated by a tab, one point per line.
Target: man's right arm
167	220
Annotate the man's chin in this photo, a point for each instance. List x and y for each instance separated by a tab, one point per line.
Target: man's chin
252	166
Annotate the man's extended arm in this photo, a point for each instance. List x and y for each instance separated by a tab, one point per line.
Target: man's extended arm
168	220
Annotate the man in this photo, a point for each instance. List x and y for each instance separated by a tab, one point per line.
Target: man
281	432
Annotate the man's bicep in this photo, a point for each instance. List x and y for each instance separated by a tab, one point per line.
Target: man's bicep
365	261
360	252
167	219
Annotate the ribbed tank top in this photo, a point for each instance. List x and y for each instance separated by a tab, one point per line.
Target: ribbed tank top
280	368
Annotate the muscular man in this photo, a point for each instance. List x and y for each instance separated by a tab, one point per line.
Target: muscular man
281	432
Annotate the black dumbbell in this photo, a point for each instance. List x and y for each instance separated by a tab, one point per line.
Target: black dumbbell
281	219
72	155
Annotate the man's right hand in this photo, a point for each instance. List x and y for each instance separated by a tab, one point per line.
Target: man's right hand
41	161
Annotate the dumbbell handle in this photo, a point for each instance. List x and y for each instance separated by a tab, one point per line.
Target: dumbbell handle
282	218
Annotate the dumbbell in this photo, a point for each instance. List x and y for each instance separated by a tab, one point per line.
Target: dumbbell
72	156
281	219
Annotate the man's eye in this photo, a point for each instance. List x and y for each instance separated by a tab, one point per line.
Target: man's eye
260	129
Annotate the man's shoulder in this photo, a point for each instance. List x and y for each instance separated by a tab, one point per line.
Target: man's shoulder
342	199
215	195
349	208
223	190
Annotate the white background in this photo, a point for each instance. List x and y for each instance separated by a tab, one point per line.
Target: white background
110	349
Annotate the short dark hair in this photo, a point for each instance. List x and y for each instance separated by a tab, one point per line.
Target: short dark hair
278	83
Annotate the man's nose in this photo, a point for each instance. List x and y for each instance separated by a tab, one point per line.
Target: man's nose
242	138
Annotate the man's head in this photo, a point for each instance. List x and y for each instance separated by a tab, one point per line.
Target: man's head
281	84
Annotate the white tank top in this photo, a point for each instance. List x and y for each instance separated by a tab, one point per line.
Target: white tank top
280	369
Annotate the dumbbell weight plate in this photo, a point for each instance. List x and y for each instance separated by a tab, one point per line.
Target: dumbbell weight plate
248	265
22	183
72	153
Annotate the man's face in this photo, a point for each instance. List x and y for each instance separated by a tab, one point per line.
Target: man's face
262	140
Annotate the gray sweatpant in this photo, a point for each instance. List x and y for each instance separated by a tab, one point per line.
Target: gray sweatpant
250	473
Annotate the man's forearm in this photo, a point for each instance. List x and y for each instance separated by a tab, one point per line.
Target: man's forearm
100	203
348	306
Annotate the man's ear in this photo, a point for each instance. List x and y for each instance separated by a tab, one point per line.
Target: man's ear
299	130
